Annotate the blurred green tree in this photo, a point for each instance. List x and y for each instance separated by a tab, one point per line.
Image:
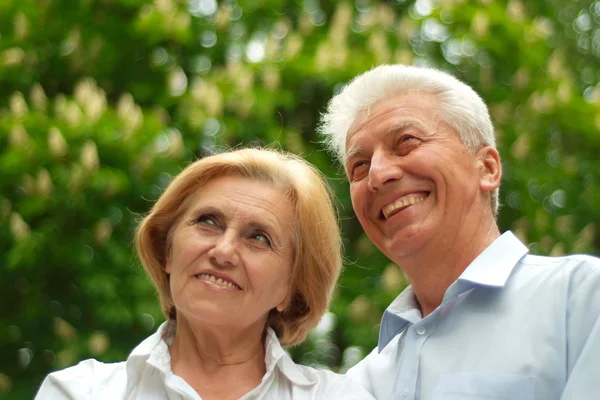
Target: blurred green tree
104	101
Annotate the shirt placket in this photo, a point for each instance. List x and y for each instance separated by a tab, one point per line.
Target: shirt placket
415	337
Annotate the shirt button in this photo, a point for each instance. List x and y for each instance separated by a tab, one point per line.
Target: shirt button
421	330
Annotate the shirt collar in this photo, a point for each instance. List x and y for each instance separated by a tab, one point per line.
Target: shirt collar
496	263
154	351
491	268
404	309
276	356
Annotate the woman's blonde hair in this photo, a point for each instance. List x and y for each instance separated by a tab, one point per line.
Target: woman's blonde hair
317	243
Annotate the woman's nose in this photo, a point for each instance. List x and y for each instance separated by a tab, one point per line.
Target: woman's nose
224	252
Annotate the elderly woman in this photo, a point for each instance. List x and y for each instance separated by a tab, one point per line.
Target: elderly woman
244	250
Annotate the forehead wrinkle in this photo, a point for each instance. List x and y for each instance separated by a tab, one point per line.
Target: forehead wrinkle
227	207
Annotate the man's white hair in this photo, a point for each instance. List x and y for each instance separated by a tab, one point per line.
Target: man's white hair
459	106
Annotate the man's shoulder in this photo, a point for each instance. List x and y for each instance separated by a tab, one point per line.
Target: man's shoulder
377	372
571	260
569	274
379	359
568	265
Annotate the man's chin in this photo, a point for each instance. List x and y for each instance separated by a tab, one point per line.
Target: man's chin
406	243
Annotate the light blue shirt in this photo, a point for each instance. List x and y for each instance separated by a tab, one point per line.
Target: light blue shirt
512	327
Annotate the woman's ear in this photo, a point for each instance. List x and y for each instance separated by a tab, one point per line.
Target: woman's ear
168	262
168	252
285	303
281	307
490	169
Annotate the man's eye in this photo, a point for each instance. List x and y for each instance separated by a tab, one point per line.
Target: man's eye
359	168
407	143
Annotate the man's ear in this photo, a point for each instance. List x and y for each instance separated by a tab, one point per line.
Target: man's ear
490	169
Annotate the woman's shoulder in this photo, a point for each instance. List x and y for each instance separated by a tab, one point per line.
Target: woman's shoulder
81	380
305	382
297	381
323	383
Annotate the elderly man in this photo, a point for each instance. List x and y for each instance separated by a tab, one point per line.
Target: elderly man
482	318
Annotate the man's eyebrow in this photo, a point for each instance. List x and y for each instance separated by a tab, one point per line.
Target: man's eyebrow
393	130
353	152
399	128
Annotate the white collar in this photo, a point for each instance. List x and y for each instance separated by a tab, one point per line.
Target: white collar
154	351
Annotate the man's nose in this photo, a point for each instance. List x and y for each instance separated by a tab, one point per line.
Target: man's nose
224	252
384	169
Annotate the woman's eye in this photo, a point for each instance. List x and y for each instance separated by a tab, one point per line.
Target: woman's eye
207	220
260	237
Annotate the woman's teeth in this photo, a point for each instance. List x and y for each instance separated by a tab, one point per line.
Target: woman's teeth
217	281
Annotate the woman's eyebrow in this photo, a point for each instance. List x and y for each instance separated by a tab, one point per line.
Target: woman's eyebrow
196	211
268	226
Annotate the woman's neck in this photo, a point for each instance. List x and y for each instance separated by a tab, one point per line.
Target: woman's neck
218	363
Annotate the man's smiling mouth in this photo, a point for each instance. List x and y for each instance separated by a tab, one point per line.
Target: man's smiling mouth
402	203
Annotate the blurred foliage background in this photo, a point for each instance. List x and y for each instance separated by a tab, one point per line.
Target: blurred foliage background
103	101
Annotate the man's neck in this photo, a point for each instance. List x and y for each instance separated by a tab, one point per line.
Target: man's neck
434	269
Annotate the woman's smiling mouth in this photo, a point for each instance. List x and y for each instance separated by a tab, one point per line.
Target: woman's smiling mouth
217	281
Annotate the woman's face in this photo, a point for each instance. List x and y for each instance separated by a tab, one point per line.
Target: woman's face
231	254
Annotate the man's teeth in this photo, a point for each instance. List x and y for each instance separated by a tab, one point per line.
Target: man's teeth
401	203
218	281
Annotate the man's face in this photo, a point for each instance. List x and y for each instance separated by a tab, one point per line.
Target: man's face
413	183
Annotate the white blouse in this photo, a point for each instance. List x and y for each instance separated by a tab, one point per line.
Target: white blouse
147	375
